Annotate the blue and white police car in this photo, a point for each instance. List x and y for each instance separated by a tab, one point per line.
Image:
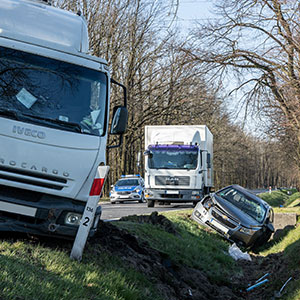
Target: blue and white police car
128	188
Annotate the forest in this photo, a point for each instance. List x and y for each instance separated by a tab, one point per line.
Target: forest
238	74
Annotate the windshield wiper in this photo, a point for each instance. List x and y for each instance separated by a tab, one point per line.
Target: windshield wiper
9	113
64	124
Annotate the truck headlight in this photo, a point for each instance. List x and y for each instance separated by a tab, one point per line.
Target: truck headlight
73	219
194	193
148	193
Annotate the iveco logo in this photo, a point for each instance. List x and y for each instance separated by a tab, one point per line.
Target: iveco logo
29	132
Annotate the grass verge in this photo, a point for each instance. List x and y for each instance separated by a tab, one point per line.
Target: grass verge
192	246
31	271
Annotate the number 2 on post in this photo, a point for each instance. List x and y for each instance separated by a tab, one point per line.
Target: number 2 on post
86	222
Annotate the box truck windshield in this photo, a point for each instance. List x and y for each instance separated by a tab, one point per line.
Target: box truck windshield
173	157
50	93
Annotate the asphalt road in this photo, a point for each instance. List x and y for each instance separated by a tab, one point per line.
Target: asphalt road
112	212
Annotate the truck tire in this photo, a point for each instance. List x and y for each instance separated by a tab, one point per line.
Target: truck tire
150	203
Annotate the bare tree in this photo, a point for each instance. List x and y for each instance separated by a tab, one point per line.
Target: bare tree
257	42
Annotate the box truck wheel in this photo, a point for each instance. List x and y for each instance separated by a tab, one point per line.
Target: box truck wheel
150	203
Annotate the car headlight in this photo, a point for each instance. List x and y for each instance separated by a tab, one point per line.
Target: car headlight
248	230
73	219
194	193
197	214
137	190
207	204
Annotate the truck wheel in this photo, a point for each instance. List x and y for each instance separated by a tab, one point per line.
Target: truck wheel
150	203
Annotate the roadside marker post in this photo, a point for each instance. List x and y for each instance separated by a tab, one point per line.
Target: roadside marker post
89	213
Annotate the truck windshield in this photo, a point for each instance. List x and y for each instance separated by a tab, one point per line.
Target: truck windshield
173	158
52	93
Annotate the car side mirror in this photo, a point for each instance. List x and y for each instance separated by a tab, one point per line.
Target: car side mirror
270	227
119	121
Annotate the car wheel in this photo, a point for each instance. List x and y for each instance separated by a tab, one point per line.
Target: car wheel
262	239
150	203
112	202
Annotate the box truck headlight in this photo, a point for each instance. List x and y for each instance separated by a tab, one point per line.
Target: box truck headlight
73	219
148	193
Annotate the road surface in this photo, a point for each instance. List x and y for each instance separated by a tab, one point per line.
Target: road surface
116	211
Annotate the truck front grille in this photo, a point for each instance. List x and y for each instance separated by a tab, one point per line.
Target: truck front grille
32	178
172	180
171	196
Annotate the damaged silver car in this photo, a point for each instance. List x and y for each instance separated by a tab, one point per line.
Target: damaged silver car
236	214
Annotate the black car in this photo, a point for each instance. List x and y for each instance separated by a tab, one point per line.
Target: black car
236	214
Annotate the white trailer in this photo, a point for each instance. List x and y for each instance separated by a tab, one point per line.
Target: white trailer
178	163
54	116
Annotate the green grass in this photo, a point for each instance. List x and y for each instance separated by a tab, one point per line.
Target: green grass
37	272
293	200
275	199
290	247
193	246
32	271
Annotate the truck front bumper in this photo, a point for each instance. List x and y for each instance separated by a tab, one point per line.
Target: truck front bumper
41	214
173	195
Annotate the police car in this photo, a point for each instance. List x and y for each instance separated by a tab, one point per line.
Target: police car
128	188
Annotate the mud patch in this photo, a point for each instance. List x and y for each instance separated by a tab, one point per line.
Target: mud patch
173	281
154	219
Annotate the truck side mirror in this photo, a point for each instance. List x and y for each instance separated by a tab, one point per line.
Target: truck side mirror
119	121
149	153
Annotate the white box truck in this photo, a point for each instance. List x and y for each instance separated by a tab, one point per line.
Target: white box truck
54	118
178	163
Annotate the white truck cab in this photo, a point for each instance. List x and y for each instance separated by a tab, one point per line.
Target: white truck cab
178	163
54	116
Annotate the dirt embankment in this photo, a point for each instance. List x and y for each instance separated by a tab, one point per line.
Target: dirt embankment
173	281
178	282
